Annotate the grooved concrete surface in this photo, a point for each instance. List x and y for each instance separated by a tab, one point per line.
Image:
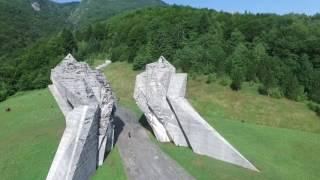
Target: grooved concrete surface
143	160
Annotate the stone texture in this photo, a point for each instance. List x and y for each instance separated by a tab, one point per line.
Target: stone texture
139	94
152	89
160	94
86	100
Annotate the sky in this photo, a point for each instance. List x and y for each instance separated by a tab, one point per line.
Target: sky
255	6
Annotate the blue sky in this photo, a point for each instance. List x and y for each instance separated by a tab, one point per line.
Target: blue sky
255	6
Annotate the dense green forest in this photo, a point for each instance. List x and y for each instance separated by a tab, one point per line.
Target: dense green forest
33	40
280	53
90	11
21	25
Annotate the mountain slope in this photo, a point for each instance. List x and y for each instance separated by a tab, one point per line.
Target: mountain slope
91	11
22	22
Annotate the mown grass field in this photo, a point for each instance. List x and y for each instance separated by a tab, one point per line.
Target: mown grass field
29	137
248	106
279	136
112	168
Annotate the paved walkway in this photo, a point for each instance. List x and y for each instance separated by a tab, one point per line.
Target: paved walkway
143	160
104	65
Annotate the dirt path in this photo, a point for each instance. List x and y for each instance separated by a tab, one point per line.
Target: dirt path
143	160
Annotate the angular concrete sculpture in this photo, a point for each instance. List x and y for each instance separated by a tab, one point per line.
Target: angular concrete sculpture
87	102
160	94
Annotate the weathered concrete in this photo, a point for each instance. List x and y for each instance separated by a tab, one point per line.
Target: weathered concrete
143	160
203	138
158	128
86	99
156	81
160	91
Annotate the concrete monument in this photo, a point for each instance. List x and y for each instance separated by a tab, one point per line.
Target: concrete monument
160	94
87	102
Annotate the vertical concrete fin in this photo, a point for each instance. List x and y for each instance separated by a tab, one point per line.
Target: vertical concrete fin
163	94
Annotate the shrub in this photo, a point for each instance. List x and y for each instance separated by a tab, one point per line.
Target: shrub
235	85
211	78
275	93
314	107
225	81
272	92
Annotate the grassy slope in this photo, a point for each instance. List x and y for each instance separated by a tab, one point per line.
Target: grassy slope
91	11
30	133
112	168
29	137
122	79
250	107
279	153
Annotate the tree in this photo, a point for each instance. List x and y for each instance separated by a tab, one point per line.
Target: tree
3	91
144	56
236	38
67	41
292	87
259	54
314	92
99	31
238	61
204	23
87	34
305	72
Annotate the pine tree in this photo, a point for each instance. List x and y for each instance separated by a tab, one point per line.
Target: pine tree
236	38
292	87
238	61
99	31
204	23
143	57
68	41
259	54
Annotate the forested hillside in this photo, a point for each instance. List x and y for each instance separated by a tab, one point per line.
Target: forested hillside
21	23
281	54
91	11
34	35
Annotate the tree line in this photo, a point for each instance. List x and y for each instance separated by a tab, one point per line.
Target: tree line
280	53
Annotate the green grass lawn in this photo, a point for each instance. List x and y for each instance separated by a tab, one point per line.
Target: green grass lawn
251	107
29	137
278	153
112	168
122	79
279	136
